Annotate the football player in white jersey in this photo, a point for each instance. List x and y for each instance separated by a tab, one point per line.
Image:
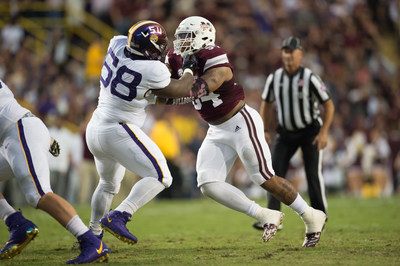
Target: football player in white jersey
235	130
24	143
131	77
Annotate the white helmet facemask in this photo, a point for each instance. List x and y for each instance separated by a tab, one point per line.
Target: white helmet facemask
193	34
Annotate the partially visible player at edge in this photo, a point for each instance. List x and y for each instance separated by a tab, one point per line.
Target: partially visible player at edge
235	129
131	76
24	143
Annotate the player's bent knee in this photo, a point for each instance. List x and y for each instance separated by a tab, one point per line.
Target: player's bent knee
205	177
32	200
203	189
109	187
207	188
167	181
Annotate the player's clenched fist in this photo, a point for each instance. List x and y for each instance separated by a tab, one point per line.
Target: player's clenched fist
189	62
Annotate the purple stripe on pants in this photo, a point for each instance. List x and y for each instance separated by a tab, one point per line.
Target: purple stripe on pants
145	151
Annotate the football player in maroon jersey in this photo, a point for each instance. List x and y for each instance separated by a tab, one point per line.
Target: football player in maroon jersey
235	129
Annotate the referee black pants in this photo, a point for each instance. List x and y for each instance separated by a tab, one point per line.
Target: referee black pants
286	144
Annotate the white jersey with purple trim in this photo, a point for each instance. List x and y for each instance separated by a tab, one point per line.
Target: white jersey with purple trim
125	84
10	110
114	135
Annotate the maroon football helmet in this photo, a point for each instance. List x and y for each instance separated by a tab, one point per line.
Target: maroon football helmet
147	39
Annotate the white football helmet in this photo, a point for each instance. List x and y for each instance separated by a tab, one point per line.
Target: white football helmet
193	34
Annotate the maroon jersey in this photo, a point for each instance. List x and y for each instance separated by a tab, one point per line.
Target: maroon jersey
220	102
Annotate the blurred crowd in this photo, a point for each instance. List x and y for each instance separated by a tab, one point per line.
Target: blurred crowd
352	44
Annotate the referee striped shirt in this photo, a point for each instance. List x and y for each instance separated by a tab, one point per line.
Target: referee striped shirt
297	97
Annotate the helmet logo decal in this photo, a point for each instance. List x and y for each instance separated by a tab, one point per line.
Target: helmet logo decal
155	30
153	38
205	26
144	34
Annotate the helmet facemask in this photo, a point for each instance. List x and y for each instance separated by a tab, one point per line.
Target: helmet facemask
184	42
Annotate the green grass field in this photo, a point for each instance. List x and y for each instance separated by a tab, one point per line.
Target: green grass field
202	232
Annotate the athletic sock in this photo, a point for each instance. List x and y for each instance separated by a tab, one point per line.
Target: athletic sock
5	209
253	209
299	205
76	226
228	195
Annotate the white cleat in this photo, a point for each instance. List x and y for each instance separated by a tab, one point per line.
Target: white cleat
315	222
271	226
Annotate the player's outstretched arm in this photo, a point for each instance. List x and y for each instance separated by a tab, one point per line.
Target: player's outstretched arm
216	76
175	101
179	88
210	81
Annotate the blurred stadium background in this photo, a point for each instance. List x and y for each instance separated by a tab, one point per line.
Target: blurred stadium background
52	52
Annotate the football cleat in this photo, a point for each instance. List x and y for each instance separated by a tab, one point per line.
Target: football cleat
22	231
270	228
92	249
115	223
311	239
315	223
259	226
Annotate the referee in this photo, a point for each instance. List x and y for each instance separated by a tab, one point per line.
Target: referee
298	92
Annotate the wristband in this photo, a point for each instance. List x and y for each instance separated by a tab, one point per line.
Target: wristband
188	70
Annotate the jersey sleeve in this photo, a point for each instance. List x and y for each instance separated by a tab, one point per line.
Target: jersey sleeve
168	57
174	62
318	88
159	76
212	57
268	92
117	40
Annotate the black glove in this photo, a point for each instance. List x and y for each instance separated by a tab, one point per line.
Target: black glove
54	148
189	62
